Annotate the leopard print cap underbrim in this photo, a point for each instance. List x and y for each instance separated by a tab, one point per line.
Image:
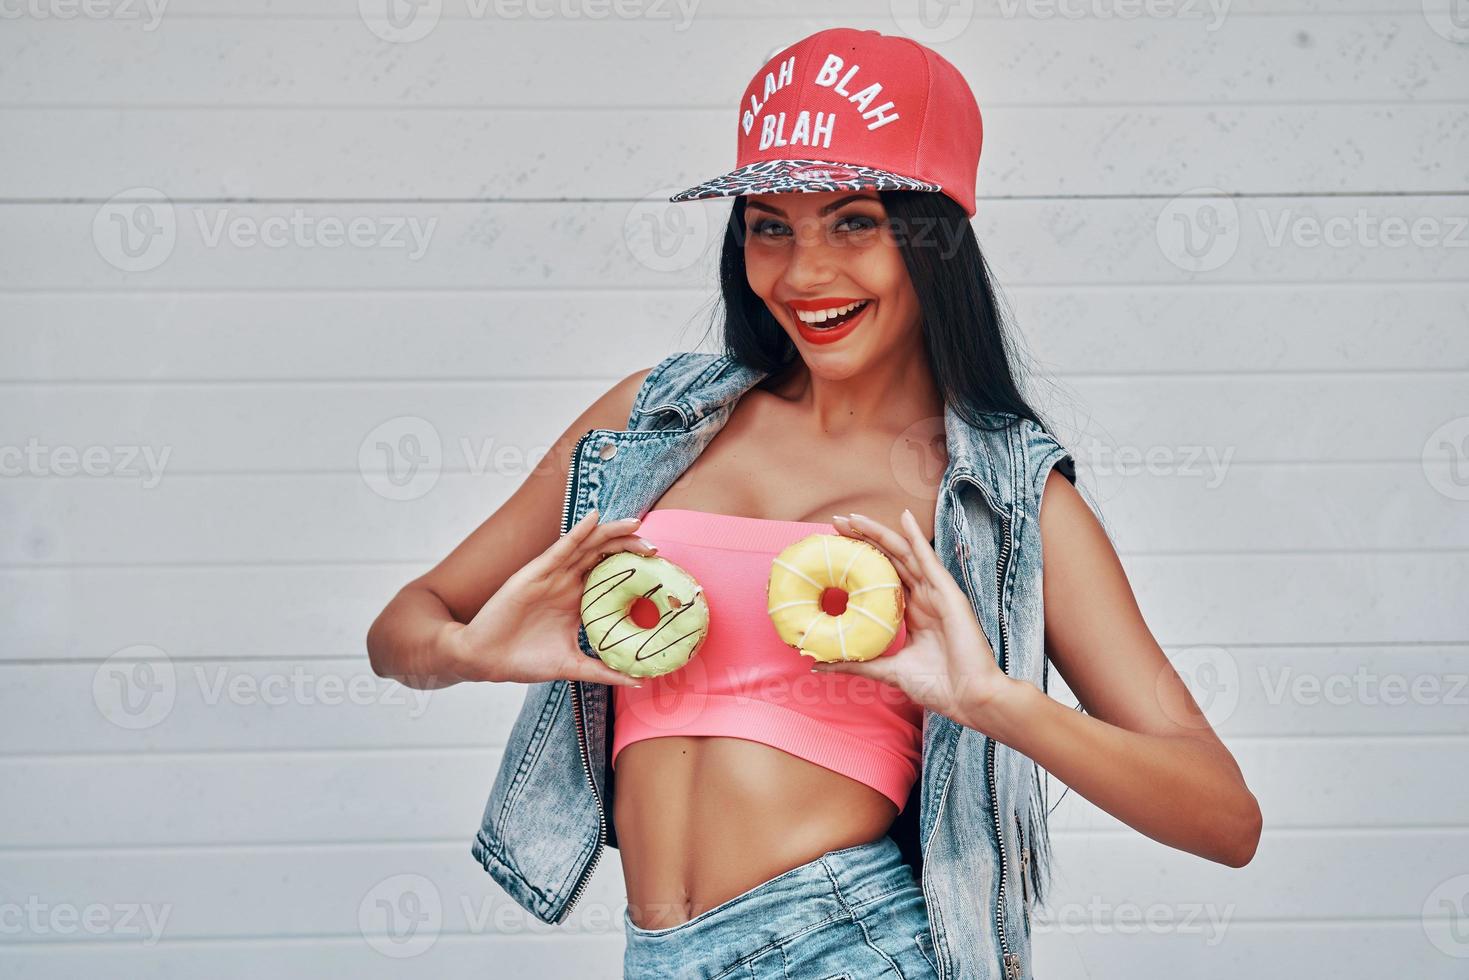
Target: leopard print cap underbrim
790	176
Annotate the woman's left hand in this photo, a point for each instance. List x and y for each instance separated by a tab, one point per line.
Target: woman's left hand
946	664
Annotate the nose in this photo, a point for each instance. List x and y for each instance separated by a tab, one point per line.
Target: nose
812	263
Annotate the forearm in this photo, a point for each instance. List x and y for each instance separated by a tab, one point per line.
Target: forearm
1179	790
412	641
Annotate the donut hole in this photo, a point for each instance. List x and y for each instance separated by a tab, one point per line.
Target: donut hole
833	601
644	613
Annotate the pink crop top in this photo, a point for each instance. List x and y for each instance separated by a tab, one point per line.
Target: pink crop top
744	682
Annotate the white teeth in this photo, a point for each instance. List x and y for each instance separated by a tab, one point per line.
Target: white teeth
820	316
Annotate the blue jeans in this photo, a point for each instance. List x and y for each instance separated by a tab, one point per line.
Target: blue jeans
855	913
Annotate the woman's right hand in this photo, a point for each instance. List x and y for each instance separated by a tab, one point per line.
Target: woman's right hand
527	631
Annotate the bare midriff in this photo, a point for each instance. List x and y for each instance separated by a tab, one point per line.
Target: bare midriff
702	819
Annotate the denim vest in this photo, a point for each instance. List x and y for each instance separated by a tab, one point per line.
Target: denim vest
974	829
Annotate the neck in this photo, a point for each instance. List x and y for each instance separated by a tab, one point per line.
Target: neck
887	395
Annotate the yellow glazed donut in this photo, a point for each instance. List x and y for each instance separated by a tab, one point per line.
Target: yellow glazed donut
801	574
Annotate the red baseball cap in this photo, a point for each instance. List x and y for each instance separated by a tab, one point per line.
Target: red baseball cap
845	109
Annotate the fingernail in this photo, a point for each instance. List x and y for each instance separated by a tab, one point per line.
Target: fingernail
648	544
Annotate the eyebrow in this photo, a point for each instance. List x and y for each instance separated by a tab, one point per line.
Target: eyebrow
828	209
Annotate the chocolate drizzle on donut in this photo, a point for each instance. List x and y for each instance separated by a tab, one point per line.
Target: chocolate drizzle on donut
647	636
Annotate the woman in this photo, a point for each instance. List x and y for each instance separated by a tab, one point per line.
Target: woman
775	828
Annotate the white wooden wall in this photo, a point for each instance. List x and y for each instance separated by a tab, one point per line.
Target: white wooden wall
202	777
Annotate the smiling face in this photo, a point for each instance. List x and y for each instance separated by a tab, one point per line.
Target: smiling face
831	274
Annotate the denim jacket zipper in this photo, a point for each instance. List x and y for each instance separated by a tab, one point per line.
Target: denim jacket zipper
576	708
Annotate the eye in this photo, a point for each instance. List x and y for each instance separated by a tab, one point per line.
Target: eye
769	228
857	222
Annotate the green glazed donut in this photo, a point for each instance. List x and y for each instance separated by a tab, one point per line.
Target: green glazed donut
644	615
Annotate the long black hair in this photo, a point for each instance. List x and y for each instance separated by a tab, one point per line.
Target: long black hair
972	353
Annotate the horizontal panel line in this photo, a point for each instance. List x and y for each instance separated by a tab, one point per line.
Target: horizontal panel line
1234	285
337	844
710	108
426	561
477	201
550	934
529	23
157	755
525	379
546	935
404	563
700	291
456	471
250	659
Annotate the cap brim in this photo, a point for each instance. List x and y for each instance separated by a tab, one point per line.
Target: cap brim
795	176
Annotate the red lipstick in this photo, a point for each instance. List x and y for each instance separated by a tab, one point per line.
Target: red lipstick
830	335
